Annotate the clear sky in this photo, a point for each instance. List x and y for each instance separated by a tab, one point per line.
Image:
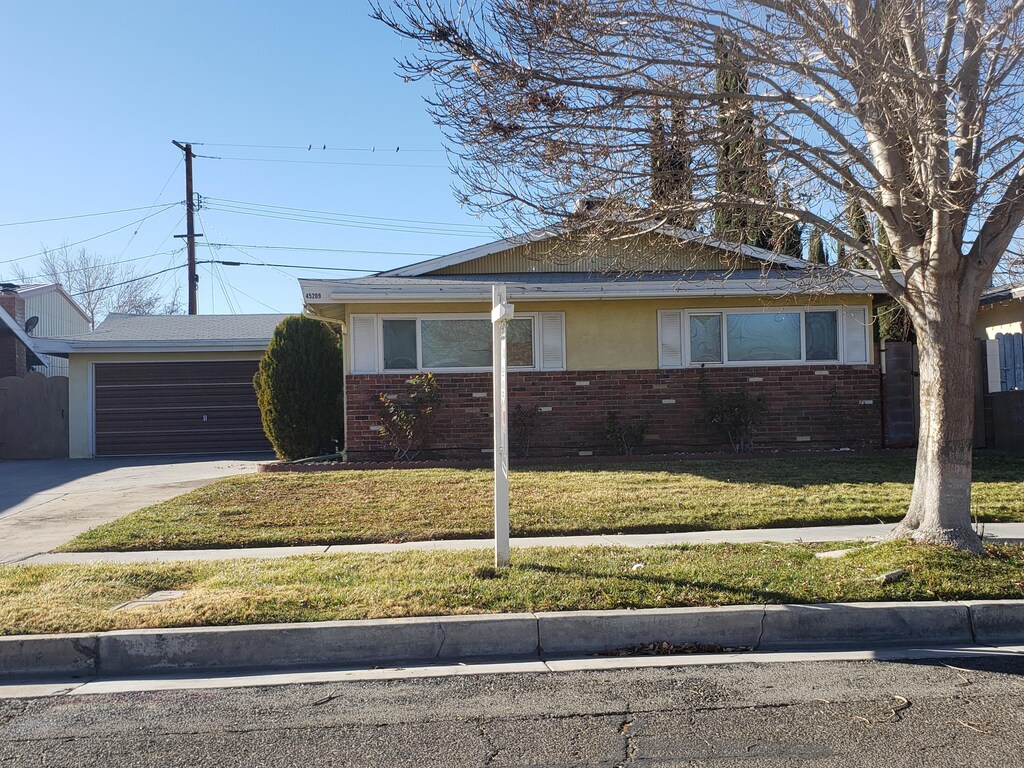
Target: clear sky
95	92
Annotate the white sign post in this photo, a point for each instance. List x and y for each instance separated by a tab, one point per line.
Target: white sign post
501	313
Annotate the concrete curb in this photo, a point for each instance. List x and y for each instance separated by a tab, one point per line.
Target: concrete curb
527	635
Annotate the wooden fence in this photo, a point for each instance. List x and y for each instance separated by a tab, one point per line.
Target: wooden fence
1011	361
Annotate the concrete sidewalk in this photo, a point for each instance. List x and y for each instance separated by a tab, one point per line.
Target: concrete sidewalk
994	532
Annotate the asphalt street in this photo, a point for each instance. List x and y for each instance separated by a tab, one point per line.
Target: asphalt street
954	712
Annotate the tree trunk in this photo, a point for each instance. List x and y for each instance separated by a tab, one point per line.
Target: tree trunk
940	506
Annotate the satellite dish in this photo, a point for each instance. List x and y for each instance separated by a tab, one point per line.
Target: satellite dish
31	323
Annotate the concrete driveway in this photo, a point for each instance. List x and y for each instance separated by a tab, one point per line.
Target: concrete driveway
45	503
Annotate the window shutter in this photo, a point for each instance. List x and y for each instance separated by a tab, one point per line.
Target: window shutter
552	341
855	335
363	340
670	339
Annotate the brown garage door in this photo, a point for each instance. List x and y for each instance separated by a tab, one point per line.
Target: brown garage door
169	408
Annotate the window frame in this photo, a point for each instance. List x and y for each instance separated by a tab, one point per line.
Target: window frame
724	312
535	340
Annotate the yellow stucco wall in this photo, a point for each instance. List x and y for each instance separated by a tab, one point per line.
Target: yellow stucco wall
605	335
80	440
1006	317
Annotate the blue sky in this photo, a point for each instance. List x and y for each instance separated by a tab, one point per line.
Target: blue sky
94	94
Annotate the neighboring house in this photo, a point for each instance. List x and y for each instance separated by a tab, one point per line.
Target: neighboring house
57	314
1001	322
593	334
18	351
165	384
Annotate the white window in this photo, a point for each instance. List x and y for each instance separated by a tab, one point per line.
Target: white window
760	337
450	343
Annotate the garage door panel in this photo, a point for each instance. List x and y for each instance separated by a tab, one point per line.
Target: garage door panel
173	395
204	372
156	443
197	419
174	408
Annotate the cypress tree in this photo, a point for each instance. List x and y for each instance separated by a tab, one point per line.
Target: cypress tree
299	388
787	235
671	171
816	253
742	166
860	228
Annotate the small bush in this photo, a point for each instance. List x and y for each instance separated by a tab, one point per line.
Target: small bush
406	427
736	414
522	423
299	389
626	436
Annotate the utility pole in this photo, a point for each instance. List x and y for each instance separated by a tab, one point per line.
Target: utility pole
190	231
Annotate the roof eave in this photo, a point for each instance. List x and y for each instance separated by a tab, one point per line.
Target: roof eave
65	347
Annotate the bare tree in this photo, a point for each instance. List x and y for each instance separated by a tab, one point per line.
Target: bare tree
909	107
101	287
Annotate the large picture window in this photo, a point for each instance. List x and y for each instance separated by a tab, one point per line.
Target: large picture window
758	337
406	344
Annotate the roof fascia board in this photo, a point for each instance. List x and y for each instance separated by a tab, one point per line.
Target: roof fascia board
93	346
569	292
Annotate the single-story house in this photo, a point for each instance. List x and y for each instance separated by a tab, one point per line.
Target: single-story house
165	384
55	314
1001	323
638	325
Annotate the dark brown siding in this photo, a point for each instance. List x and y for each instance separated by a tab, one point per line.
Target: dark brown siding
168	408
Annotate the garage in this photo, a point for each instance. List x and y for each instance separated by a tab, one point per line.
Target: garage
145	409
164	385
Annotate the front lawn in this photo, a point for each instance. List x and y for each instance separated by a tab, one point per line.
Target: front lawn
350	507
81	598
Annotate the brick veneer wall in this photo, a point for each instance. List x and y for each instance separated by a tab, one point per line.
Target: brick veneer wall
12	351
807	406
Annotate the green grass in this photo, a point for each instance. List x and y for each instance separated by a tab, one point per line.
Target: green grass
350	507
80	598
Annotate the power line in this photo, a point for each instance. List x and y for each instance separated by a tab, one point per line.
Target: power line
127	282
80	216
94	237
414	230
318	162
109	263
342	215
321	250
288	266
313	147
152	205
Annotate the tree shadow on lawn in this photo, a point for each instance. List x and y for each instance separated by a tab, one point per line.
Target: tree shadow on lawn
767	596
812	469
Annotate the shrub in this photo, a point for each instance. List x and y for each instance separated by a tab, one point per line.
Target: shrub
626	436
522	423
406	426
737	414
299	388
